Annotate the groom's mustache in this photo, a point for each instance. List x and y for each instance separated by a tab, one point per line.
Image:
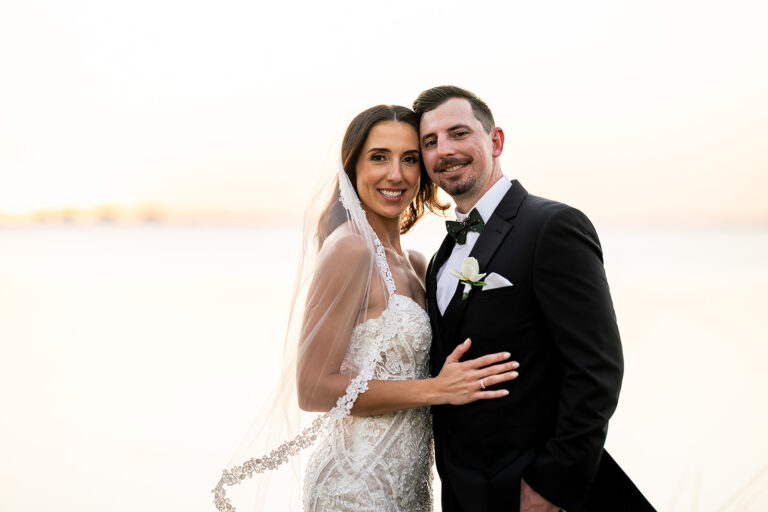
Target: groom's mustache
450	162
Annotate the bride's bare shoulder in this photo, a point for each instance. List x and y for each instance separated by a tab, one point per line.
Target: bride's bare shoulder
345	249
419	263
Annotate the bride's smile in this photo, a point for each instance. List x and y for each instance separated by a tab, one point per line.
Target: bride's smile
389	168
392	194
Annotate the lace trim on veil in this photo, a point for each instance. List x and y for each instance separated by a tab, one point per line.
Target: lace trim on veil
358	384
351	202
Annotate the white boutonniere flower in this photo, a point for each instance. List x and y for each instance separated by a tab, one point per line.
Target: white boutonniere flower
469	275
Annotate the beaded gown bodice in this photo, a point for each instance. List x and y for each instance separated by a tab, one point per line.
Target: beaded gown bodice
379	463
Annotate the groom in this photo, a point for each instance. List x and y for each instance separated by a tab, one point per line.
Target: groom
541	447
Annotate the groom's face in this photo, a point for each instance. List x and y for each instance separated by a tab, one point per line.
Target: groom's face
456	150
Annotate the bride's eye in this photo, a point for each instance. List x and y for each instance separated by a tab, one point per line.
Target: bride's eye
378	157
410	159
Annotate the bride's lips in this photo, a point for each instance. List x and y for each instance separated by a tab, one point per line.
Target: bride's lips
391	194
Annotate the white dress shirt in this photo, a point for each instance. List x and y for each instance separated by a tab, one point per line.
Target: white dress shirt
446	282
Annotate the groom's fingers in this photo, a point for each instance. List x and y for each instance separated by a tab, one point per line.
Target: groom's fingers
459	351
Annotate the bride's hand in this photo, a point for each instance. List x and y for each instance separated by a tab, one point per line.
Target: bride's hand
463	382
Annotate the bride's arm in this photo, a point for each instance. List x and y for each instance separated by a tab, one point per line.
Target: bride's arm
334	300
333	305
458	383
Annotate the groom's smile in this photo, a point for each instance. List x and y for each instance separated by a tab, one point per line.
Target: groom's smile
458	152
452	166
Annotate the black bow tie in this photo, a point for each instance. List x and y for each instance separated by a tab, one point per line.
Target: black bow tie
458	230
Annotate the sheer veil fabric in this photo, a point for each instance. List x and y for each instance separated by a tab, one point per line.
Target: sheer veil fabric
343	281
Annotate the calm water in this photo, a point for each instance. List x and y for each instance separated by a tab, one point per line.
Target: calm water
133	360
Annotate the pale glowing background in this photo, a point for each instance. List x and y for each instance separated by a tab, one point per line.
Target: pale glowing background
132	358
638	110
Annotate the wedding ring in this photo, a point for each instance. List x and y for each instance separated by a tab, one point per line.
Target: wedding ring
482	384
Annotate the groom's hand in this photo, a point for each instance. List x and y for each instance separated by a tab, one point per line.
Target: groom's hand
531	501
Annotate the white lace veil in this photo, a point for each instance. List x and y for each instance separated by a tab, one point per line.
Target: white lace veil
341	283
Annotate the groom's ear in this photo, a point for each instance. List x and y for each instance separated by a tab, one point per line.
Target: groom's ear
497	142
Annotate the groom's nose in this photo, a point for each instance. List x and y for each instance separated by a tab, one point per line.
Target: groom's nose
445	147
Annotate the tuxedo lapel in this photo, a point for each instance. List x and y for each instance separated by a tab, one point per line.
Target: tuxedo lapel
442	254
438	260
495	231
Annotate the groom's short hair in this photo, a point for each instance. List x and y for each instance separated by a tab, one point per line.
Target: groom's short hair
436	96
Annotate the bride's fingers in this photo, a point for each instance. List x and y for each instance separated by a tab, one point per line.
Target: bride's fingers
496	369
502	377
459	351
486	360
484	395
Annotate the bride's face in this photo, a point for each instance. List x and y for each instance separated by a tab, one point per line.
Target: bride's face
389	169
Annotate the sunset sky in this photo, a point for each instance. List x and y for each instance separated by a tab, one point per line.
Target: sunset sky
633	111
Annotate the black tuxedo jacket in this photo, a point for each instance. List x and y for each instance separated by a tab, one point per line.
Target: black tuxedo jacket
558	321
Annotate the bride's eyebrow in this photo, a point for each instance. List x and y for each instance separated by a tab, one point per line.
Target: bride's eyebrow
379	150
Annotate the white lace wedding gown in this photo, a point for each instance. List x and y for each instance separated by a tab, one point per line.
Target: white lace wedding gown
379	463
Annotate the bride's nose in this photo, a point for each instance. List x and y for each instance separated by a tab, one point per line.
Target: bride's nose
395	174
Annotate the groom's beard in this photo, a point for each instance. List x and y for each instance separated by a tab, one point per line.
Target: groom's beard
459	188
464	184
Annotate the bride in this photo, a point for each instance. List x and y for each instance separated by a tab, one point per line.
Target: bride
362	337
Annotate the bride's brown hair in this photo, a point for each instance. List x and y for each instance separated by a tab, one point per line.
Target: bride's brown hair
357	132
